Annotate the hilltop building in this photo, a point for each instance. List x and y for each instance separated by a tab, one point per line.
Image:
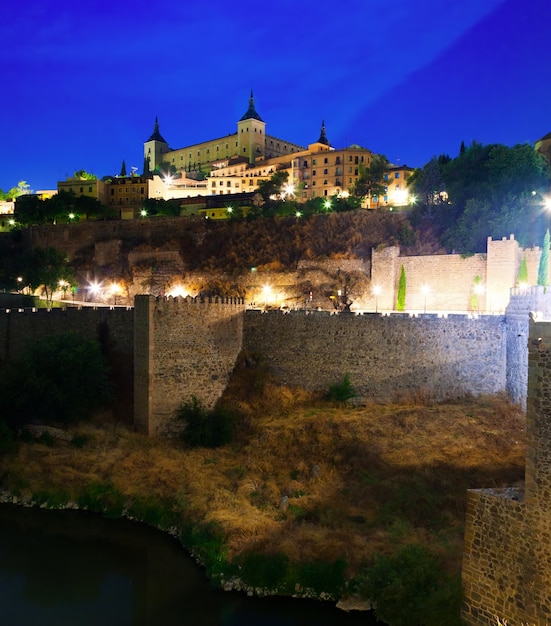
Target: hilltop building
237	163
249	142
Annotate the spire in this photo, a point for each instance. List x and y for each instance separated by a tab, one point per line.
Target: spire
156	136
323	137
251	111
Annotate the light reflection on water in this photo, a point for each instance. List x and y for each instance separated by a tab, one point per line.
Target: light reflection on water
74	569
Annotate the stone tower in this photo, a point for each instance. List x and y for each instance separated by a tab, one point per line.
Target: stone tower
251	133
154	149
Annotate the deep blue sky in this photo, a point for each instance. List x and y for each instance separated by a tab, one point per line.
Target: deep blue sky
83	81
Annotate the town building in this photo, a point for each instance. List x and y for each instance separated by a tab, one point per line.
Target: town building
78	186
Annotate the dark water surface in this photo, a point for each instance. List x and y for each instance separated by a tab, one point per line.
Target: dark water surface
61	568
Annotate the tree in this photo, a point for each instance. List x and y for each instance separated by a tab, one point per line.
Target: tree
84	175
22	189
490	193
46	267
371	178
522	277
58	380
123	169
543	269
272	188
401	300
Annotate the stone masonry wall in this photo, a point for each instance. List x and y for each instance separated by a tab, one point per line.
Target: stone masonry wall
507	551
184	347
20	326
385	356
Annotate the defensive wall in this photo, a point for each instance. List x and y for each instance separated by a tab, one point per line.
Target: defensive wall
386	356
446	282
507	553
168	349
182	347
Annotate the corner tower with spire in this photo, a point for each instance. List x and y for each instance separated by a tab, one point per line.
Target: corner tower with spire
154	149
251	133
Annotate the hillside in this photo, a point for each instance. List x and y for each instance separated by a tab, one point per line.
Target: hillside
304	482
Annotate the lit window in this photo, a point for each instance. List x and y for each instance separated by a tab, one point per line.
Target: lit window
397	175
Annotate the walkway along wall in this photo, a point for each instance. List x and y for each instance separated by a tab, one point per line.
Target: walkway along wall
507	550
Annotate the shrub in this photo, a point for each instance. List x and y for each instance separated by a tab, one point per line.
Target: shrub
323	577
341	392
264	570
410	588
7	441
204	428
57	380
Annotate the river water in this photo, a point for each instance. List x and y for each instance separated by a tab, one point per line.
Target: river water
68	568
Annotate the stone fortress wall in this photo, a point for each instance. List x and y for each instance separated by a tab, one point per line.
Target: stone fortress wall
385	356
184	346
507	551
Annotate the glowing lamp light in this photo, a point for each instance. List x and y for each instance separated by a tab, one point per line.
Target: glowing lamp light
11	222
327	204
267	293
178	291
298	214
143	213
288	190
94	289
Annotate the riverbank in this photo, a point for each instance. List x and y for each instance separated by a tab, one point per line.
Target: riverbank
304	498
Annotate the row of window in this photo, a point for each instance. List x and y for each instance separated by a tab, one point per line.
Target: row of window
356	159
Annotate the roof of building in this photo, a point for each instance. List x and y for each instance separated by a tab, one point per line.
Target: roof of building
251	113
323	137
156	136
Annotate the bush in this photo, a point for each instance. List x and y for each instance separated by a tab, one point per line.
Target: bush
7	441
264	570
57	380
341	392
323	577
204	428
410	588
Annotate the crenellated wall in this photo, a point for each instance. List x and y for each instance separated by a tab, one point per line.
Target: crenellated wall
183	347
385	356
507	553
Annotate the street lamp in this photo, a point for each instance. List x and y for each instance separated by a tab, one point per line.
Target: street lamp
267	291
479	290
425	290
376	291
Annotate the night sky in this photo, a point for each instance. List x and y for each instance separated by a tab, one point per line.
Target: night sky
83	81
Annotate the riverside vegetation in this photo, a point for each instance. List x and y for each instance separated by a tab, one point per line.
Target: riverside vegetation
297	494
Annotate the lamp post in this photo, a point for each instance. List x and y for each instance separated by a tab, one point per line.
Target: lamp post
425	289
376	292
479	290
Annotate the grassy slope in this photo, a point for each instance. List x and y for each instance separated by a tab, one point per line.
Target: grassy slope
359	480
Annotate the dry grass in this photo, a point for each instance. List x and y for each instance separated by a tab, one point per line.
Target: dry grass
358	480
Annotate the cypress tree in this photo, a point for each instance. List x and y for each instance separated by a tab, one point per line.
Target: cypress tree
123	169
543	269
401	302
522	272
